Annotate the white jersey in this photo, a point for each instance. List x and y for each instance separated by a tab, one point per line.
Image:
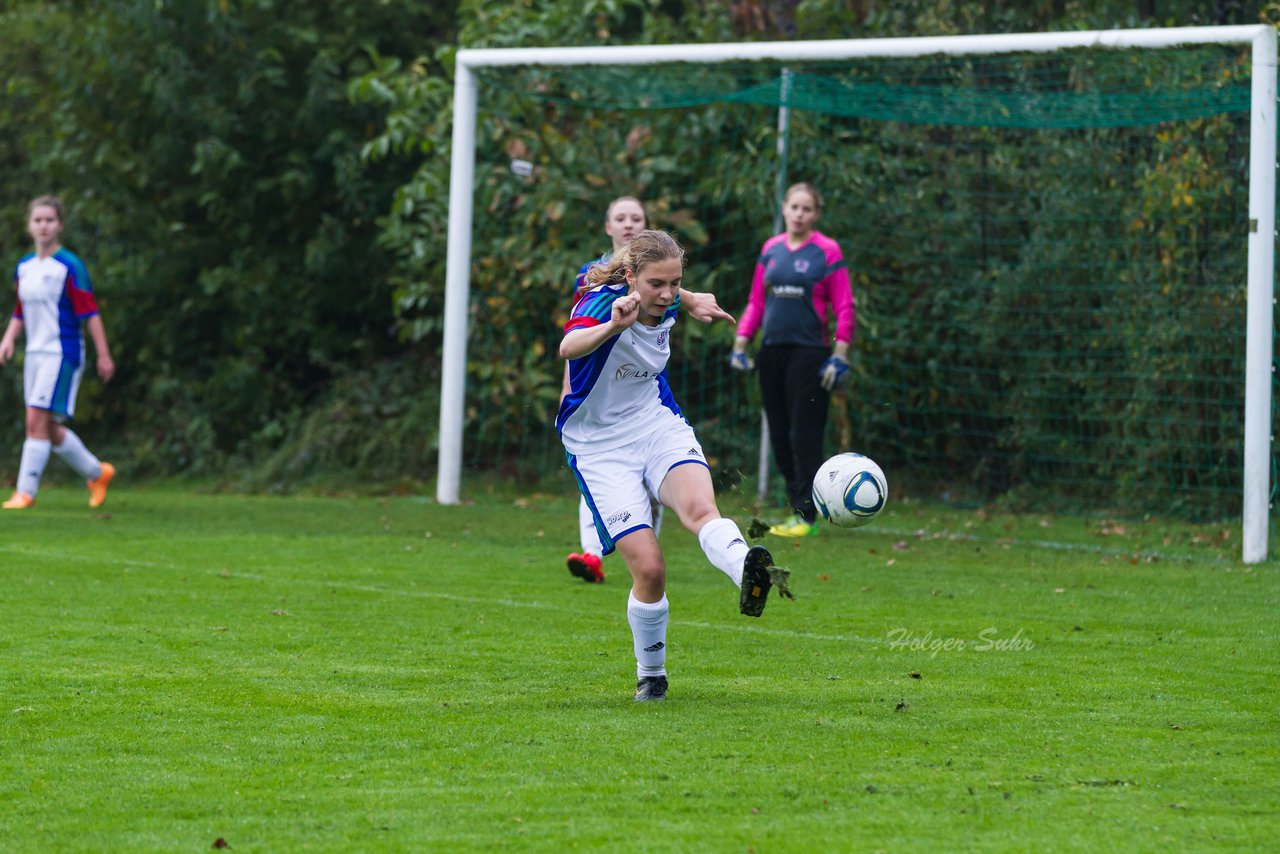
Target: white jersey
618	392
54	298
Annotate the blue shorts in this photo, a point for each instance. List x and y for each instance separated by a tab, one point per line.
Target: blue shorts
51	382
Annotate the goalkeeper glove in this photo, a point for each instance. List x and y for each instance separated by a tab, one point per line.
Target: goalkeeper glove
834	372
741	362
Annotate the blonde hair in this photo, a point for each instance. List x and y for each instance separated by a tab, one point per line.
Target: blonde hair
47	202
645	248
608	212
805	187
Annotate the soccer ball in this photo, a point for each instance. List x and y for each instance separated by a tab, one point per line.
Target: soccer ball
849	490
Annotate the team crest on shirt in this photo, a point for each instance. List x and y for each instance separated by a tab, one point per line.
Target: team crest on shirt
662	337
802	265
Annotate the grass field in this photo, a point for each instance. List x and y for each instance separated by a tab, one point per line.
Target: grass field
387	674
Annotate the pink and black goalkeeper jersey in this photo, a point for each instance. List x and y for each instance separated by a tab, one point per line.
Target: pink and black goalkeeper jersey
794	292
54	298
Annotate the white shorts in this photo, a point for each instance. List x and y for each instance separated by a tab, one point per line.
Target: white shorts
617	484
51	382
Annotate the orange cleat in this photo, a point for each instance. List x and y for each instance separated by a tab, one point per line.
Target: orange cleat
19	501
98	488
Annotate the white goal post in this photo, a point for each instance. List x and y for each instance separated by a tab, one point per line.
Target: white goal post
1261	225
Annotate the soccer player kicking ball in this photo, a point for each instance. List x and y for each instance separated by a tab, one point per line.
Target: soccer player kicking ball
626	440
54	302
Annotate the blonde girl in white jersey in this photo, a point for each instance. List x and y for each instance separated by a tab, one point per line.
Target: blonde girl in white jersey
626	442
55	305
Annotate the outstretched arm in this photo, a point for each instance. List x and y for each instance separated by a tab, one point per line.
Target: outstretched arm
703	306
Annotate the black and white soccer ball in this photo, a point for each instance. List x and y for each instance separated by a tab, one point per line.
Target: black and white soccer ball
850	490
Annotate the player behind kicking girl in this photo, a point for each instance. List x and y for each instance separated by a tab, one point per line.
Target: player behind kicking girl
625	440
54	301
623	219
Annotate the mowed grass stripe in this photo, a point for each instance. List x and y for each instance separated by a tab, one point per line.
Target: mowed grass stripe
389	590
462	692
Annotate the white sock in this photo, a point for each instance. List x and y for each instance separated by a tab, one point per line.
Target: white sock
724	546
76	455
649	631
35	456
587	530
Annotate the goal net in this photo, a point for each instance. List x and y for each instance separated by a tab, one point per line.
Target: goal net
1049	253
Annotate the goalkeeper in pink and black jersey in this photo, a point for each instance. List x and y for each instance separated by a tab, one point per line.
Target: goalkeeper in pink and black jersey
801	283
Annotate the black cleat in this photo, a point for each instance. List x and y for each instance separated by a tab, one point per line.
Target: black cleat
651	688
758	577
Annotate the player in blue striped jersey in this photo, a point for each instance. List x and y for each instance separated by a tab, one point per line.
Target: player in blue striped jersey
55	305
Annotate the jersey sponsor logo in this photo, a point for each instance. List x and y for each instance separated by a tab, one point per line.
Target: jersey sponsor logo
51	280
618	518
802	265
788	291
631	372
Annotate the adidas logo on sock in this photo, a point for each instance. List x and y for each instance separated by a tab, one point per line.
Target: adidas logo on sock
737	541
657	646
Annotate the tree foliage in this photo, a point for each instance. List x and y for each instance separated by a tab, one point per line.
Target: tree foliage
260	190
211	160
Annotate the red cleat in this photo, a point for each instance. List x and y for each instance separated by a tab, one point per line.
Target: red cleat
586	566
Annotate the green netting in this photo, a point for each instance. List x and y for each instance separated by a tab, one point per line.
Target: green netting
1075	105
1048	255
